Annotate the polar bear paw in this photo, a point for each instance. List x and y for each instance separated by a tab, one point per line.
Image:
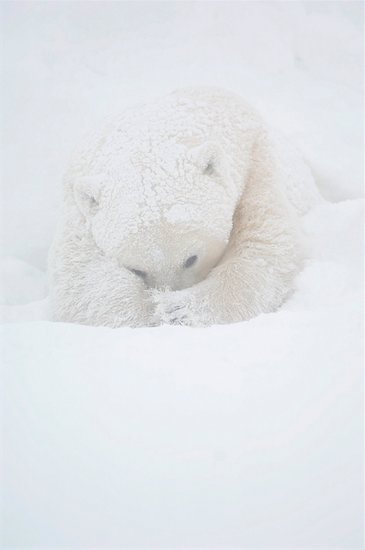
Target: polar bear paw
175	308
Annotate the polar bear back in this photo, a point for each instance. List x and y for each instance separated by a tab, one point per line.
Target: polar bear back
160	130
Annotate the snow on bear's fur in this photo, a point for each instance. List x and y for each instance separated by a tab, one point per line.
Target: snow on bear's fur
182	211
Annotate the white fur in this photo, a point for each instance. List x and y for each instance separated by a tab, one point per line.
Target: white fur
193	174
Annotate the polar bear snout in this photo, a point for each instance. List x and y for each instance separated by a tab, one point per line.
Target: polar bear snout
173	260
168	256
162	281
156	282
171	276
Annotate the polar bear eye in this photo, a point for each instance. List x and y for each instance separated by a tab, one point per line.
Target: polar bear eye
139	273
190	261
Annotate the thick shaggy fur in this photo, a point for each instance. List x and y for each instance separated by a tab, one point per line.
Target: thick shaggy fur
194	176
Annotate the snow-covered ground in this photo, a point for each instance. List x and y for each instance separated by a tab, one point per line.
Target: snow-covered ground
246	435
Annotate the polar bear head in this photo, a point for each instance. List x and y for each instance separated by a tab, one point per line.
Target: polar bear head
167	218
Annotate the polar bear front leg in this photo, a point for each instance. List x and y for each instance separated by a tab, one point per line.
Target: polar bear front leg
236	291
115	297
97	291
255	275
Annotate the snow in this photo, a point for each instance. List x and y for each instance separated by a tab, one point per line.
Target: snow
245	435
21	282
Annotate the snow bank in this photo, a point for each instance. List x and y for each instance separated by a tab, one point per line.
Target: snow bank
237	435
241	436
247	435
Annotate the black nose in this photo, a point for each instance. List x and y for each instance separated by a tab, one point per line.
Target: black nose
190	261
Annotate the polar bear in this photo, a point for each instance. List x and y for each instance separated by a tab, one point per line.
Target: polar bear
181	211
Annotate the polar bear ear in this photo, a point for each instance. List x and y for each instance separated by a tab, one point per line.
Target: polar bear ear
207	157
87	193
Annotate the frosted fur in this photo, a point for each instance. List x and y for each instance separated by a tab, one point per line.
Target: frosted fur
193	174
